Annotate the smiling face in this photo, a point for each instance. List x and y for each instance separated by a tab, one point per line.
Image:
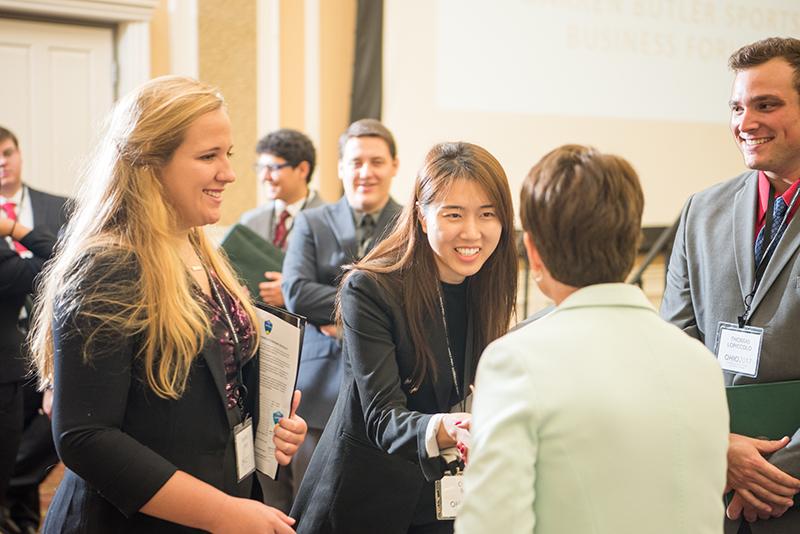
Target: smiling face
765	119
463	230
283	181
366	170
196	175
10	168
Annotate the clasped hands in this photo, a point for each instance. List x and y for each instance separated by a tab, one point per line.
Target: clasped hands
454	432
762	490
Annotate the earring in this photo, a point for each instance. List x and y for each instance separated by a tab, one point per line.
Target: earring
537	276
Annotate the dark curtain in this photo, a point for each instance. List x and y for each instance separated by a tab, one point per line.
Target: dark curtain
365	99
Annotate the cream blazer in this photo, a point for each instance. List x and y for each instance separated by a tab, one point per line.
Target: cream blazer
598	418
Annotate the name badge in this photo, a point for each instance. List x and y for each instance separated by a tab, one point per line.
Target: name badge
245	450
449	493
738	350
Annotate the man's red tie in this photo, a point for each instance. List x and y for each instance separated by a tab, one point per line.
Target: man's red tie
279	236
11	213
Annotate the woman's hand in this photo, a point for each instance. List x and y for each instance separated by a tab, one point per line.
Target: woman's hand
247	516
463	438
454	428
290	432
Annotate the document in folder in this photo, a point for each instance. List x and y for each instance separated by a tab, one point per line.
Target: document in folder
279	346
251	256
769	410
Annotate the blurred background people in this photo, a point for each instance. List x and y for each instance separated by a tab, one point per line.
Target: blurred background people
599	417
17	275
285	165
323	240
46	213
146	336
416	312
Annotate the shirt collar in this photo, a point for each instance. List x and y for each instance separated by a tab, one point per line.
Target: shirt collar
763	194
358	216
16	198
293	208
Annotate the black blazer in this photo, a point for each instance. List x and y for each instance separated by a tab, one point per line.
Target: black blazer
370	472
323	239
17	276
119	441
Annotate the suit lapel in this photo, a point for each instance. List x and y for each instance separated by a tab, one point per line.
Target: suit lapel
444	379
40	211
744	221
469	357
385	222
269	221
340	219
786	249
213	357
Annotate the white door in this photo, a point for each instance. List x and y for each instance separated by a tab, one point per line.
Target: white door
56	85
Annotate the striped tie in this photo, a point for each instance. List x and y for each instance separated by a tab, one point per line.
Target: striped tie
11	213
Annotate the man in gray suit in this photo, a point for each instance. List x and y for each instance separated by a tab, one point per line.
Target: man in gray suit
735	261
285	165
324	239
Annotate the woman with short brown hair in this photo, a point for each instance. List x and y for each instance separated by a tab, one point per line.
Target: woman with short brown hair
599	417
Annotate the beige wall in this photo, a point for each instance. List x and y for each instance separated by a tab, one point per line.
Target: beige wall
159	41
292	65
227	59
336	42
337	38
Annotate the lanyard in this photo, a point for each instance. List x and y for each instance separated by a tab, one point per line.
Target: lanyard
767	254
450	353
240	388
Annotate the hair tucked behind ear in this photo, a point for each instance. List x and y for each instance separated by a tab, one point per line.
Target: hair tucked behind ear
404	264
122	224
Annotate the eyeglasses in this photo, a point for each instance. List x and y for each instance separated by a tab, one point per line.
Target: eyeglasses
270	167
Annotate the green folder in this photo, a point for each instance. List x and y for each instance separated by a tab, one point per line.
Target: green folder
251	255
769	410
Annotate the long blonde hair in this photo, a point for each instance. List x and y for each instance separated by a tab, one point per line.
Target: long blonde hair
121	219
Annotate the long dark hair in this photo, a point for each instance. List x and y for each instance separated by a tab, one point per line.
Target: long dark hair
407	256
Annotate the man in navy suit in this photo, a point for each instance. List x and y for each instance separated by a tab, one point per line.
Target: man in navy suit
20	402
323	240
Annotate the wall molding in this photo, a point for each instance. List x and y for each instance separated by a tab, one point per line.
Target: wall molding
95	10
130	17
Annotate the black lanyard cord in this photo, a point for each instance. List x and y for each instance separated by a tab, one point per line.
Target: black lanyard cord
766	256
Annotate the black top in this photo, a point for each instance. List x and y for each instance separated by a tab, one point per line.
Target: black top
120	441
455	311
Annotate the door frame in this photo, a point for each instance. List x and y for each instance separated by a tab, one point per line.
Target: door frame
130	18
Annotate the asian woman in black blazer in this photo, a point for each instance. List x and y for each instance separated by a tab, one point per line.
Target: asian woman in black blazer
147	337
416	312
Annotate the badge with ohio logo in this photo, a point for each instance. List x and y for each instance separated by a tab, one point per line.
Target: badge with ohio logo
267	327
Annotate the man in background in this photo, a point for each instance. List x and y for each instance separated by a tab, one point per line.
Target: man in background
30	443
285	165
734	268
324	239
